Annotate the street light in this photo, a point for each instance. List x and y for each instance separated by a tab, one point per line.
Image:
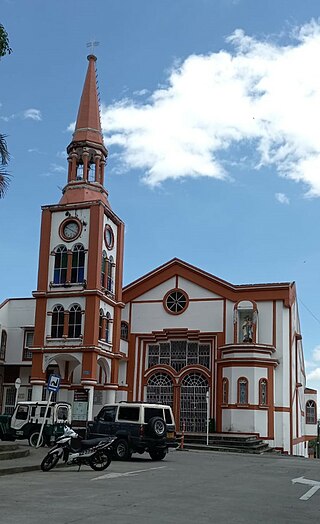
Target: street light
17	385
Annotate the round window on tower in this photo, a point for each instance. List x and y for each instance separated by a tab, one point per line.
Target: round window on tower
108	237
176	301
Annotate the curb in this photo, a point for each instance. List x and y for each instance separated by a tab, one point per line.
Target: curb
18	469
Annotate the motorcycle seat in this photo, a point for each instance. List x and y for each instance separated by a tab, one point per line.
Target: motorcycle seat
91	442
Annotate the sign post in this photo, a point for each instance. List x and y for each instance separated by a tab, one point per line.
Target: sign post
53	387
208	416
17	385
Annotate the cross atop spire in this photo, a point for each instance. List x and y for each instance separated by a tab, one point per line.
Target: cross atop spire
92	45
88	126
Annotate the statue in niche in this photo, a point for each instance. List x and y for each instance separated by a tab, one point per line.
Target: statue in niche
247	330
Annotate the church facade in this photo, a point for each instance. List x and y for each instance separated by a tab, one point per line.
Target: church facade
230	354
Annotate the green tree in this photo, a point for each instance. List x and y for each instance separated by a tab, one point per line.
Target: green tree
4	42
4	154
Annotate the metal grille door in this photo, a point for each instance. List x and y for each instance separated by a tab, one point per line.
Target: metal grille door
160	390
10	398
193	404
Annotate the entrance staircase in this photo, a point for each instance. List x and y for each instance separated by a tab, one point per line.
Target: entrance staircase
227	442
12	451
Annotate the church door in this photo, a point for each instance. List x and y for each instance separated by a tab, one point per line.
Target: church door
193	403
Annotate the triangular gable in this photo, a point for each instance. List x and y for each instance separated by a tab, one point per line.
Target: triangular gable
278	291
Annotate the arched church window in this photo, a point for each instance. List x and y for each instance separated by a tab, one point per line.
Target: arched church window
124	330
110	274
225	391
108	327
311	412
103	268
263	392
57	322
60	265
160	389
77	267
243	390
245	322
100	323
75	316
3	345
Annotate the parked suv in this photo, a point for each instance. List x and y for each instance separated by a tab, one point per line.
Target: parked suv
138	426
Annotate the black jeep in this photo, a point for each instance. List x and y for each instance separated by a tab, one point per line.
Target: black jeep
138	426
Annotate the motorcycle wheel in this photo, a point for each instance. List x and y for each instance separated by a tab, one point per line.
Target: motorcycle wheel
99	461
49	461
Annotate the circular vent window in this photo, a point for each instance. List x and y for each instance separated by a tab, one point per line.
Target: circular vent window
176	301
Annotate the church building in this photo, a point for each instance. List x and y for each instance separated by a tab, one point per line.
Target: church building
177	335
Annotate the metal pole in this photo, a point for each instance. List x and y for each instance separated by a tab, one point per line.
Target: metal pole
44	419
208	416
17	385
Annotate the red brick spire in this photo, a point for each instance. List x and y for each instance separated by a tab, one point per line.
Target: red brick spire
88	126
86	153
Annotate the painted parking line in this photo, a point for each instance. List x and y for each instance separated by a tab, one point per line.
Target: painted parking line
126	474
314	483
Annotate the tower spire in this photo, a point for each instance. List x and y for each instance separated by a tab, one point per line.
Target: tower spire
86	153
88	125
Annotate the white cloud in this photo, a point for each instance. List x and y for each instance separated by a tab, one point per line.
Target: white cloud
55	169
34	114
261	94
35	150
314	375
282	198
141	92
316	354
313	369
71	127
62	154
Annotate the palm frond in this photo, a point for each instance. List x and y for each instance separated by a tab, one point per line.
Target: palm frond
4	182
4	153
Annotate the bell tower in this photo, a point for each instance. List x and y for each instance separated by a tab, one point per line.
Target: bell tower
79	291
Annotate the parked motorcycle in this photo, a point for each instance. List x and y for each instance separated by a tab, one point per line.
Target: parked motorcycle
69	447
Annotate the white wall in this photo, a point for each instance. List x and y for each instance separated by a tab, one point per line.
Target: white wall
15	316
57	218
205	316
252	374
265	322
245	421
158	292
195	291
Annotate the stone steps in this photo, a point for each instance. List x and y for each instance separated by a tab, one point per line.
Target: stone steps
226	442
12	451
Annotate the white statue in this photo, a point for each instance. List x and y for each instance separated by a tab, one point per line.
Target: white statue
247	330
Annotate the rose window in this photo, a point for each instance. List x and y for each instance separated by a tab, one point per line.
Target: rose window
176	301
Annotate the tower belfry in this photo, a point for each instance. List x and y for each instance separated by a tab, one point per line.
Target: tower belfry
79	292
86	153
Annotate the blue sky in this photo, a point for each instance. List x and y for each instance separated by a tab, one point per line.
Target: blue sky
211	114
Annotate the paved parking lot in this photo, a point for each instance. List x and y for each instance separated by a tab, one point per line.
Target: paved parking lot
187	487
